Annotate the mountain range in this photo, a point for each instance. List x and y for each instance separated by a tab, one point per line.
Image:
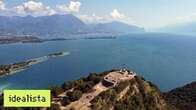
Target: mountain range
59	25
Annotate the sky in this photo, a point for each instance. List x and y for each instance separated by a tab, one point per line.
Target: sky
144	13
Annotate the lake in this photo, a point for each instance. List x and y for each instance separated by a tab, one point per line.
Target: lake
167	60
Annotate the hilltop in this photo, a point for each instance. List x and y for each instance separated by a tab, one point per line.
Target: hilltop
110	90
118	89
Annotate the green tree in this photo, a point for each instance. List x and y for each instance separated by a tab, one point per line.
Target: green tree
75	95
67	85
66	101
55	91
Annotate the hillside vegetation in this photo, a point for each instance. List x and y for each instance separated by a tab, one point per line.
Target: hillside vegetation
183	97
140	95
114	90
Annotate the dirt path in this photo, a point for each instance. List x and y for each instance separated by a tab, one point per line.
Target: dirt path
123	93
84	101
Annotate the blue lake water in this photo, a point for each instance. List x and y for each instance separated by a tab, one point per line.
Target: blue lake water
167	60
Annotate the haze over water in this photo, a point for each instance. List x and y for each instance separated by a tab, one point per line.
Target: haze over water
167	60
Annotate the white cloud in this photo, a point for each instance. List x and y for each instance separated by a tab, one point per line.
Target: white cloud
20	10
37	8
73	6
115	14
2	5
94	18
34	8
51	12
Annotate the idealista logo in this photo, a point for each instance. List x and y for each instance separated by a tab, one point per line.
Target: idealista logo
27	98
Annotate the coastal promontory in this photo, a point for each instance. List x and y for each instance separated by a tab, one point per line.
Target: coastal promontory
117	89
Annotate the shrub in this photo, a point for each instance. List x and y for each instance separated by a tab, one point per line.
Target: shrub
54	107
66	101
75	95
55	91
85	87
121	86
120	106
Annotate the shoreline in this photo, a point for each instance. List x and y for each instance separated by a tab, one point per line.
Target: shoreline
10	69
25	40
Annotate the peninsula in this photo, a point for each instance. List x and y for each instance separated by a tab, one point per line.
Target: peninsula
9	39
10	69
